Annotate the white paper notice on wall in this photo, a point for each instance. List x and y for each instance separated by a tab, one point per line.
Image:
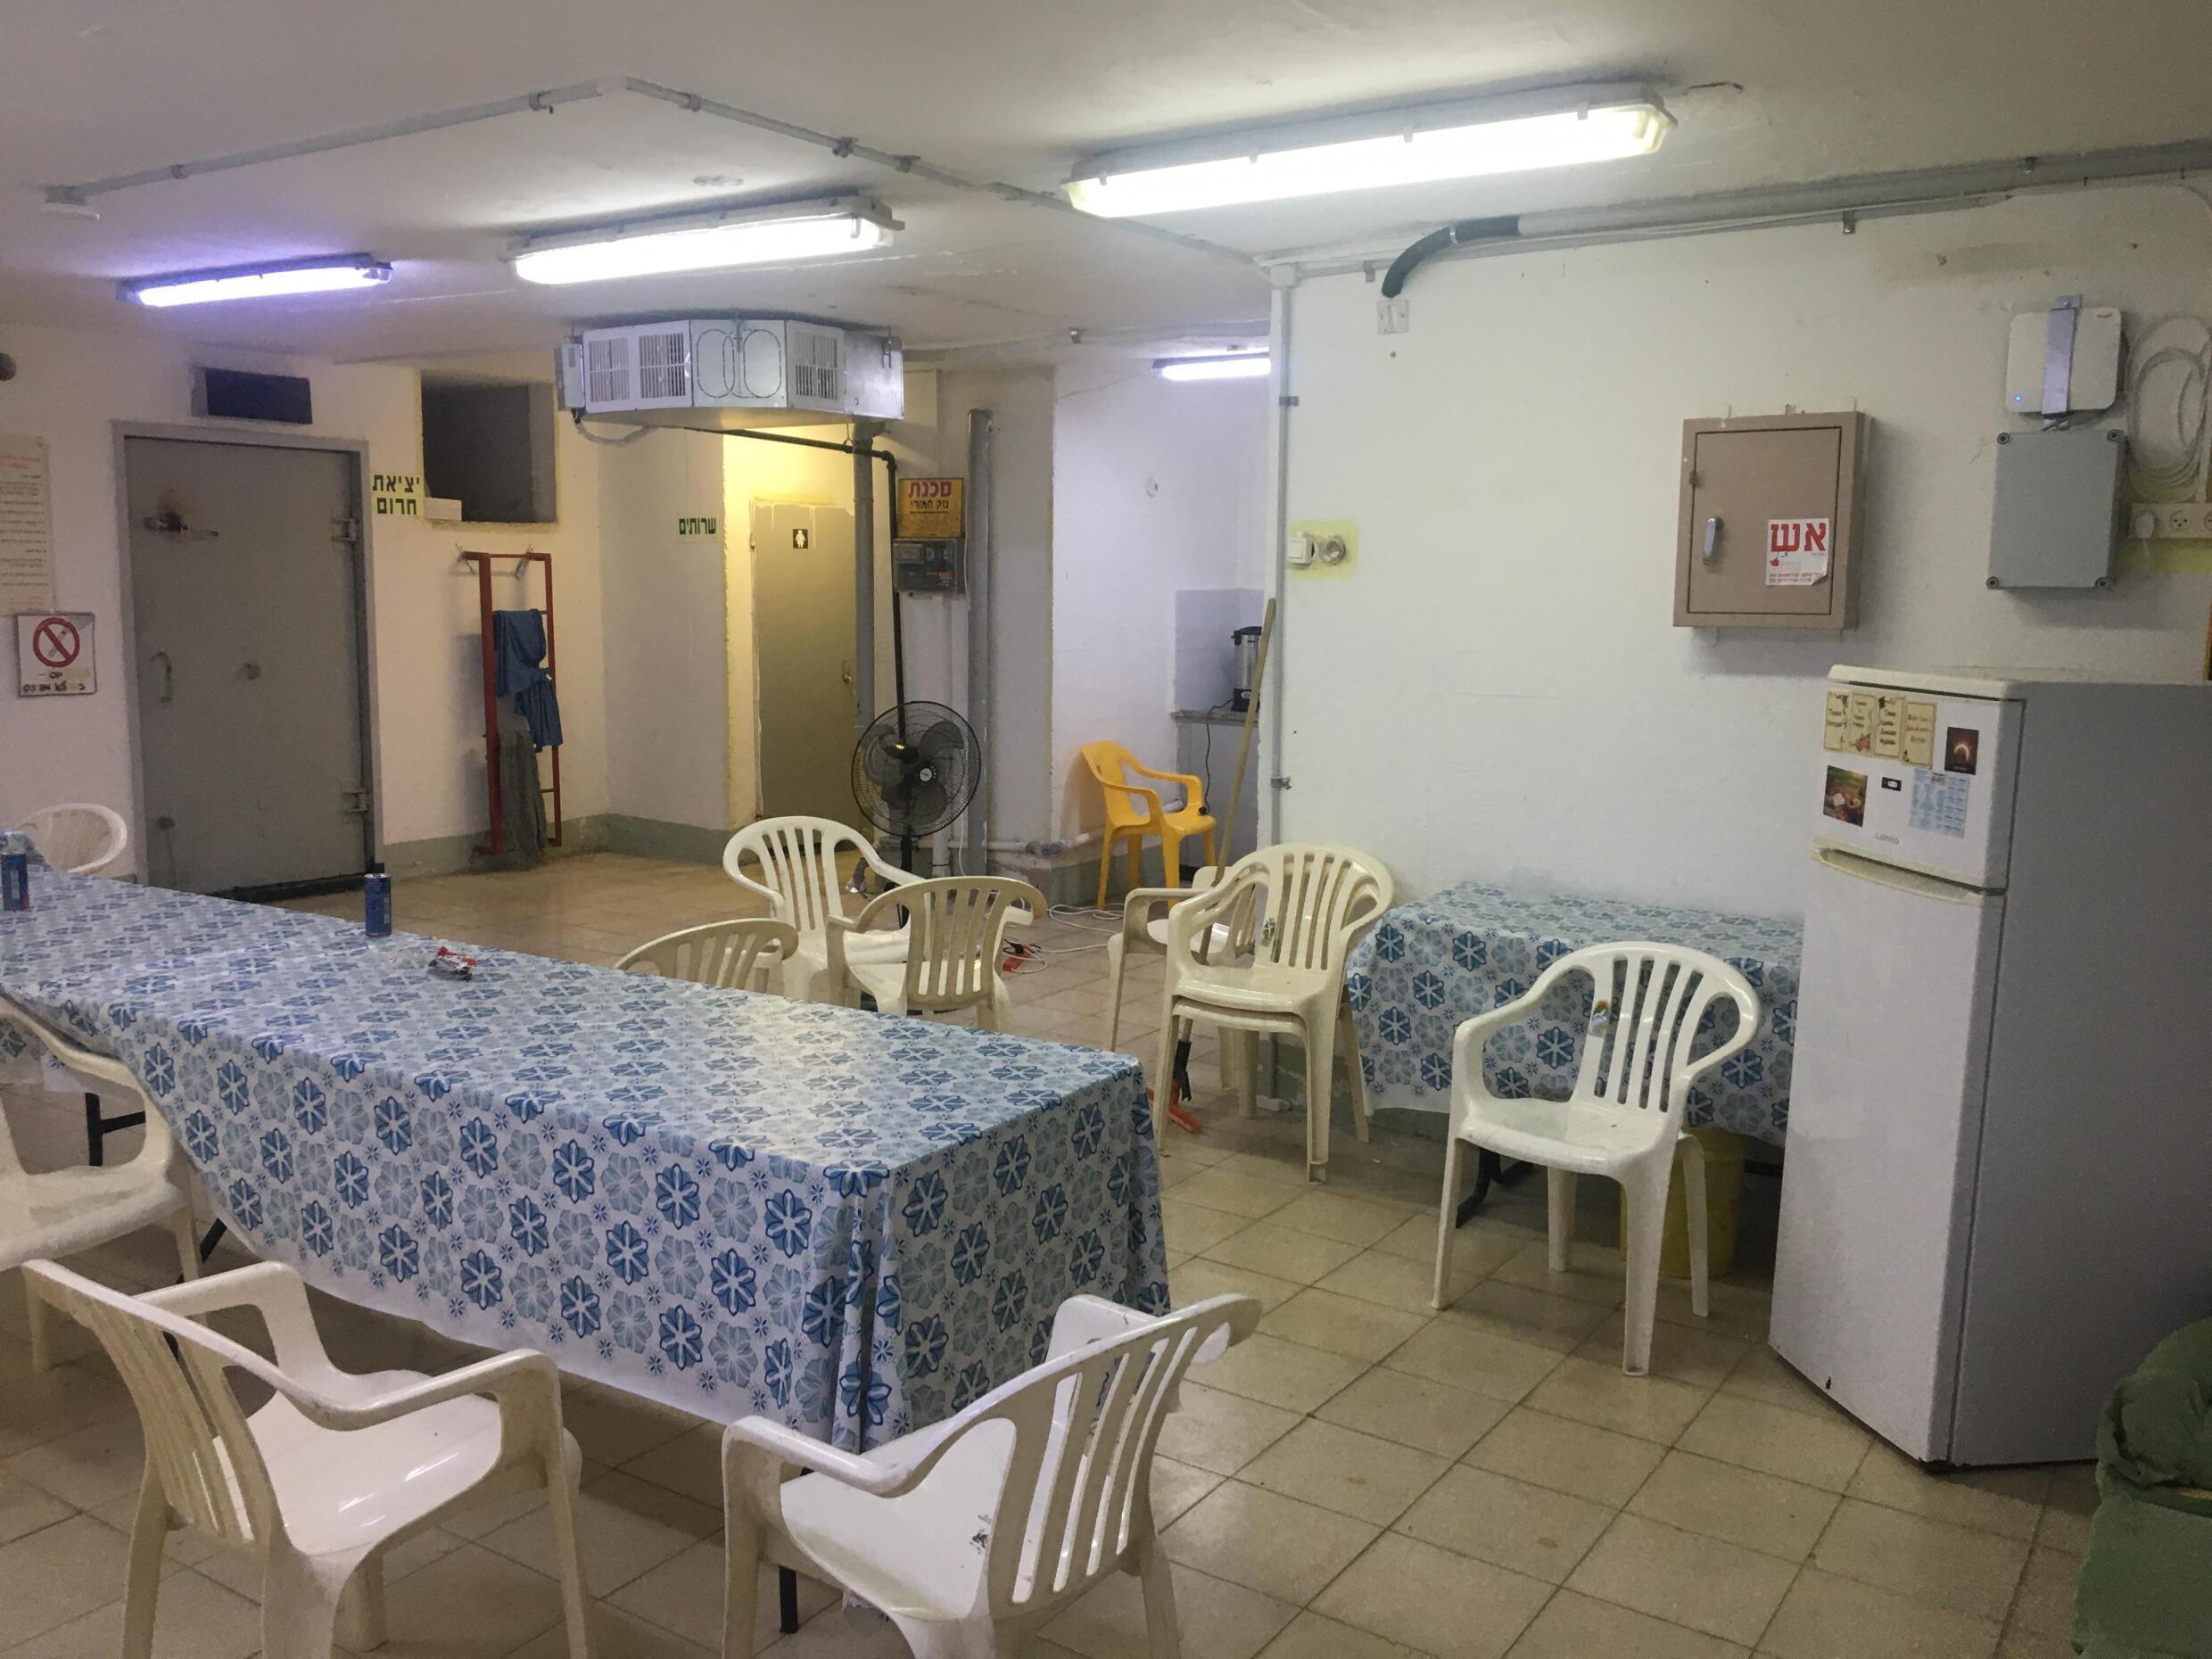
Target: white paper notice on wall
26	526
1796	552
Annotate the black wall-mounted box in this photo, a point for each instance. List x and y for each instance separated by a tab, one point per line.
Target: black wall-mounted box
236	394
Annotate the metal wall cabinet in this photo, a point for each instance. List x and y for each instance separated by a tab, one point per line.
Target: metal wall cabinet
1769	521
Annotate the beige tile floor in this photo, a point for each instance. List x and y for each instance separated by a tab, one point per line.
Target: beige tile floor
1363	1477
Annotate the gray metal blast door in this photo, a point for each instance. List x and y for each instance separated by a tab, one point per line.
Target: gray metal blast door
245	589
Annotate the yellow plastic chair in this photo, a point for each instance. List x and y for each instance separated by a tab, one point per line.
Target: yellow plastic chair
1133	812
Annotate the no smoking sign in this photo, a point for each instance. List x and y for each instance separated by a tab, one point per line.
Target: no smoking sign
54	654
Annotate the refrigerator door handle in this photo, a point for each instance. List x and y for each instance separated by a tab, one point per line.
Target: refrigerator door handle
1861	869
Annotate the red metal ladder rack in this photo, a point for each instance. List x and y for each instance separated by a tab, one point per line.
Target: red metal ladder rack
497	844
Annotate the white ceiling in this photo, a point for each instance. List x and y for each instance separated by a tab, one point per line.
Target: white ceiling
1004	89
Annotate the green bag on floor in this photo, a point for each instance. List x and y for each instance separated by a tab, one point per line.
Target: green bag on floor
2146	1589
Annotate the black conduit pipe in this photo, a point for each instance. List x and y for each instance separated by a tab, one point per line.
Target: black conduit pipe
1456	235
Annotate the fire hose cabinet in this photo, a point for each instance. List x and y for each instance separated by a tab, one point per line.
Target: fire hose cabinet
1769	521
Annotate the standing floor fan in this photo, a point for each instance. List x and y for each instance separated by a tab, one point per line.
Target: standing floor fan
914	772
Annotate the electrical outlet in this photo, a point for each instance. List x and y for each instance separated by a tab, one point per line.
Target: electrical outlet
2170	521
1393	317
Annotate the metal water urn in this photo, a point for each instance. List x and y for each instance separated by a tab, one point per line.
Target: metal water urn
1244	642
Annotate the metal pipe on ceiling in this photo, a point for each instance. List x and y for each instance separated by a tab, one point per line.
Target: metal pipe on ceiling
697	104
406	126
918	168
1867	195
1146	342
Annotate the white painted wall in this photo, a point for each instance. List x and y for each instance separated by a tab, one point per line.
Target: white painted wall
1499	692
662	596
73	386
1156	487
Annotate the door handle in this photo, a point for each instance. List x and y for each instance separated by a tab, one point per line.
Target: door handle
844	672
1713	539
168	678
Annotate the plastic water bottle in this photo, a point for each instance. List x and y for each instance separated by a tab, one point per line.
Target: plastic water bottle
376	903
14	870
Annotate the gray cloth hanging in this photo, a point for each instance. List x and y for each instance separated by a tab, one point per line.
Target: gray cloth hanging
521	805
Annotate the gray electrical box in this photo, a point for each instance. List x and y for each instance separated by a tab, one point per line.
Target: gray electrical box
2057	510
929	565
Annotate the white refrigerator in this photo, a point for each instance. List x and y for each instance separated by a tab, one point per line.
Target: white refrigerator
1997	1189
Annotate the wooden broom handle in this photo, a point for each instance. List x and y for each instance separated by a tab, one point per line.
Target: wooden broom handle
1244	750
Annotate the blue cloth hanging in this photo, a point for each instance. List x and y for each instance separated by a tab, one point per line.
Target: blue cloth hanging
519	658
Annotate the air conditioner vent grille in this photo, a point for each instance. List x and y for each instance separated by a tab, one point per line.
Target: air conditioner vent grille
665	366
607	368
815	371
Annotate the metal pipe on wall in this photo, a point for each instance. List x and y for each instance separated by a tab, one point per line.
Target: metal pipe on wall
976	850
1867	195
1280	405
864	574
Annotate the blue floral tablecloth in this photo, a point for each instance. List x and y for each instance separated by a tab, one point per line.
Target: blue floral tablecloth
732	1204
1428	966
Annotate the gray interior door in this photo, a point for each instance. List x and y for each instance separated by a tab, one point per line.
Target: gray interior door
246	619
803	652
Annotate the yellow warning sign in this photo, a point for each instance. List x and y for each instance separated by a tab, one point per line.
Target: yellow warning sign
932	509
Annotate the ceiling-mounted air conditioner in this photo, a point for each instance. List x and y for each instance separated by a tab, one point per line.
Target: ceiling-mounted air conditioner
737	370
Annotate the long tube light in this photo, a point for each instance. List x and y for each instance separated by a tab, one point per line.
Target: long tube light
699	242
255	281
1240	366
1463	138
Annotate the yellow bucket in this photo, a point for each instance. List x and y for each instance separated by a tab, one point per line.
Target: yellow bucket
1724	1202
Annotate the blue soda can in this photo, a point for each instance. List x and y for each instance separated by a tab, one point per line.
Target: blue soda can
14	877
376	903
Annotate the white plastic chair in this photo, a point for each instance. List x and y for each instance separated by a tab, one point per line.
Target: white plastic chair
66	1211
798	858
1624	1119
730	955
1145	933
969	1534
84	839
332	1472
82	836
953	947
1314	901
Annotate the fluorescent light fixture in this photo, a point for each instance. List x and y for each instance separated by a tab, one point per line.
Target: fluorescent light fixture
702	242
1464	138
1240	366
255	281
